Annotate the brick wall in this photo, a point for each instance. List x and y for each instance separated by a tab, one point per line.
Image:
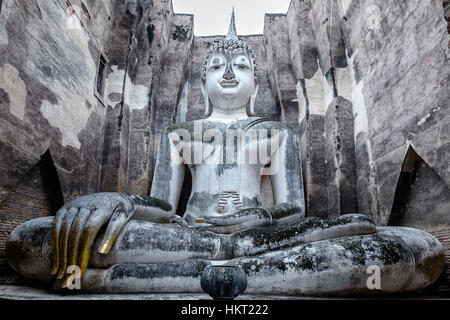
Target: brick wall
18	207
443	235
37	194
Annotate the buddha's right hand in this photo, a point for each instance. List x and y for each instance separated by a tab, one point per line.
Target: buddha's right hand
77	224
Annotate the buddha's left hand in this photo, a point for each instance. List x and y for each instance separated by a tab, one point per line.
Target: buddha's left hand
250	218
240	220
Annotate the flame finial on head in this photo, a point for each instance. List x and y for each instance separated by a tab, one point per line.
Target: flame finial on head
232	34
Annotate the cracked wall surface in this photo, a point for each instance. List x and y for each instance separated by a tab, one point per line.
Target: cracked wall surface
49	54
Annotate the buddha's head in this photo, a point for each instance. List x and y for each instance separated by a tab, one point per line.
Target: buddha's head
229	79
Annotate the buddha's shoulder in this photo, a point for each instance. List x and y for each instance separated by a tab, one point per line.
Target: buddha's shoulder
188	125
264	123
193	125
254	122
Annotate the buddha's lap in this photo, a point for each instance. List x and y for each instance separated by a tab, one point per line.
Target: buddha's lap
410	259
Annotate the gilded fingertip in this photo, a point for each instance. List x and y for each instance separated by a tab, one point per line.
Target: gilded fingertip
60	275
64	283
104	248
54	269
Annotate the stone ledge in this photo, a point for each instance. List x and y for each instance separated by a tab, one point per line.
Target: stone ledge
15	292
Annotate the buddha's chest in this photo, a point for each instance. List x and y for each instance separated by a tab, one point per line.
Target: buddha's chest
229	148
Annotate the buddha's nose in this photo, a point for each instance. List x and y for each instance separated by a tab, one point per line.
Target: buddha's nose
229	74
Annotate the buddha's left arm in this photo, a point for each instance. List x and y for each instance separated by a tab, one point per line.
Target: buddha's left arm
168	178
287	181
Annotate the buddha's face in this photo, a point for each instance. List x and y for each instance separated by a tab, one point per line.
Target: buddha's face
230	79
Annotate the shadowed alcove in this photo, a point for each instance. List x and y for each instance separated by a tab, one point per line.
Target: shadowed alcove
421	201
37	194
422	198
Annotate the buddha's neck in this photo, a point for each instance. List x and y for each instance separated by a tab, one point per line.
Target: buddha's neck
228	116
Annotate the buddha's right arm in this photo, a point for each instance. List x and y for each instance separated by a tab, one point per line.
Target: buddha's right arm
152	209
166	184
78	222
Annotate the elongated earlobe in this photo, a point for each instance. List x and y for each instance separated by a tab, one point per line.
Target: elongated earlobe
251	107
208	109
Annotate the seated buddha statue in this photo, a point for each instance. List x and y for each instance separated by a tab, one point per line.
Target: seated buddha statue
126	243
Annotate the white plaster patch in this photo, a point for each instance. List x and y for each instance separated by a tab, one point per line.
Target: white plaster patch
301	102
69	118
319	92
344	82
183	104
359	105
73	23
11	82
138	97
115	83
424	119
70	114
6	9
359	109
361	123
135	96
343	6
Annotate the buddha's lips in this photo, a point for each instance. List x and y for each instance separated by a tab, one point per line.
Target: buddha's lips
229	83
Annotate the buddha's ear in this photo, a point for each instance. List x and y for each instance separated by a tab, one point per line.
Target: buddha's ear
206	98
251	111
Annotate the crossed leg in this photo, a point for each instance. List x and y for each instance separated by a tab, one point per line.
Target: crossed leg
310	256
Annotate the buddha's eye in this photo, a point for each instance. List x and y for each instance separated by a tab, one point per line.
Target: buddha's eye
216	66
242	66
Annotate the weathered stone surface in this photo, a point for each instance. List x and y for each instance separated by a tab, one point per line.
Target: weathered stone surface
314	269
302	45
58	110
399	108
409	259
22	292
365	188
328	36
281	76
49	53
315	169
340	156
